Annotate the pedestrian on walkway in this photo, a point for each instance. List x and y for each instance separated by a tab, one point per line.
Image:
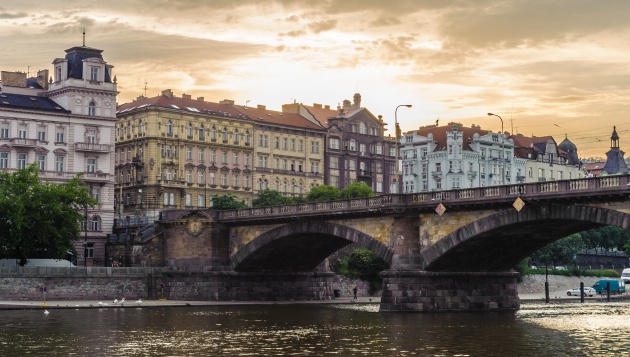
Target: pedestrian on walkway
355	292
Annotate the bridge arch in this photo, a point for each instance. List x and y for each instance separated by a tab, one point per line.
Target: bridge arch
301	246
498	242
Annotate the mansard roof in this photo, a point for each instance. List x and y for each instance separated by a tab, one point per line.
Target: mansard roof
439	134
76	55
30	102
262	115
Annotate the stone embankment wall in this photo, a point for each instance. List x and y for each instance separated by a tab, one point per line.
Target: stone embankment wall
80	283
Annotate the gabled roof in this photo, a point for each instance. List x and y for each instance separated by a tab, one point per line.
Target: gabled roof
30	102
185	104
265	116
439	134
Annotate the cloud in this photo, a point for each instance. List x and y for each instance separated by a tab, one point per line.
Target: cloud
384	21
295	33
17	15
322	26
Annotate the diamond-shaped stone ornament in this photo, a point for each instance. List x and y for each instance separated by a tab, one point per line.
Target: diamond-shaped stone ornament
518	204
440	209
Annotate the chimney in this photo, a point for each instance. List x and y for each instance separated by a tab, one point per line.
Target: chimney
227	102
260	106
42	78
13	79
315	105
186	96
291	108
357	101
168	93
200	99
346	104
327	107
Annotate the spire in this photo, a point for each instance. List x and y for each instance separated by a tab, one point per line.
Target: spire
614	139
84	37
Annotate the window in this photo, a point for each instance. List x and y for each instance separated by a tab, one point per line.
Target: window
95	224
201	176
41	162
300	145
362	128
292	165
292	147
235	180
362	149
202	136
92	109
189	176
22	131
314	167
352	165
213	156
246	159
236	136
188	200
247	137
246	181
189	130
21	160
224	157
213	178
59	138
4	160
392	151
333	143
314	147
4	130
90	136
59	163
57	74
224	135
91	165
169	128
140	127
284	143
334	181
235	158
201	202
94	73
200	154
353	145
284	187
379	149
285	164
334	162
188	153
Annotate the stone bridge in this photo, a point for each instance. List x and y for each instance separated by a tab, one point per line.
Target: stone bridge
447	250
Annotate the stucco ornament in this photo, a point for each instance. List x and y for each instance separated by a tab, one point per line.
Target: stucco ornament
194	226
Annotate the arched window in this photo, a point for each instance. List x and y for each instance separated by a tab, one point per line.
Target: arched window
362	128
92	109
235	136
284	187
201	132
246	137
189	130
277	185
213	134
140	127
224	135
169	128
300	188
95	223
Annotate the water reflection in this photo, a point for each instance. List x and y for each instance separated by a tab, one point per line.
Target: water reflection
316	330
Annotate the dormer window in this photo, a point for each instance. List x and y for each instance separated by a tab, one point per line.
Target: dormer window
57	73
94	73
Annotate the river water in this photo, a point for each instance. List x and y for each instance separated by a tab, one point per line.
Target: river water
566	329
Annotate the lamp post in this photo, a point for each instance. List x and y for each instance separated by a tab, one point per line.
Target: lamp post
85	242
398	135
502	158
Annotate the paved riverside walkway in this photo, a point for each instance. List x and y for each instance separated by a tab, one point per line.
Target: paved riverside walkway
86	304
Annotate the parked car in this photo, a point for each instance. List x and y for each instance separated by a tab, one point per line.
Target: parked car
625	275
617	286
588	291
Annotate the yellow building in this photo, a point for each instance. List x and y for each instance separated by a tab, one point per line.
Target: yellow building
288	151
179	152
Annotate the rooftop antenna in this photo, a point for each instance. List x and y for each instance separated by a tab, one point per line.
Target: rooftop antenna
247	101
84	37
28	71
145	89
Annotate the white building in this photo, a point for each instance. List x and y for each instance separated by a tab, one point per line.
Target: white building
454	157
66	125
546	160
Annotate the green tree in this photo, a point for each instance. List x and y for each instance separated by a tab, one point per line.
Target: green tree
366	265
40	219
223	202
357	189
270	197
323	193
562	251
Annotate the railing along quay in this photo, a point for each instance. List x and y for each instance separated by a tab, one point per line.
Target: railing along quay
549	191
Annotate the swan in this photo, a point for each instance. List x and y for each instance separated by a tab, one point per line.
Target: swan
139	301
115	301
46	312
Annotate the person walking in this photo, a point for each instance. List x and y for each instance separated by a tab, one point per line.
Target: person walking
355	292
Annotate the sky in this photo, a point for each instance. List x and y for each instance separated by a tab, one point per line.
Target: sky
547	67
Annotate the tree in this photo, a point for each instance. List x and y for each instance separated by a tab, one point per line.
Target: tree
40	219
366	265
357	189
269	197
562	251
223	202
323	193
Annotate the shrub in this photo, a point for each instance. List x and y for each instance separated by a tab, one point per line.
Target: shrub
365	265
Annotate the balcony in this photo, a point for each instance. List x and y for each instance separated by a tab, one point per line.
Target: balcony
91	147
365	173
95	177
520	178
437	174
25	143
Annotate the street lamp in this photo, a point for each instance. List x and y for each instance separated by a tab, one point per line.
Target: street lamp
398	136
502	158
85	242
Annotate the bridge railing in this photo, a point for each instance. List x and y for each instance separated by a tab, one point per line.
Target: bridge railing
535	189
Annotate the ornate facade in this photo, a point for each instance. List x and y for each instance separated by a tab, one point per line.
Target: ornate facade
179	152
65	124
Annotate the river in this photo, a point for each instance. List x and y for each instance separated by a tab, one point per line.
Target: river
538	329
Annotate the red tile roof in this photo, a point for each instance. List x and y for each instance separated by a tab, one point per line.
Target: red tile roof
265	116
439	134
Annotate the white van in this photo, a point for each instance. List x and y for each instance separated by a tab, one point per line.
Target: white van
625	275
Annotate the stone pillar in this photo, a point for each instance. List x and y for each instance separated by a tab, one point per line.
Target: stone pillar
423	291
